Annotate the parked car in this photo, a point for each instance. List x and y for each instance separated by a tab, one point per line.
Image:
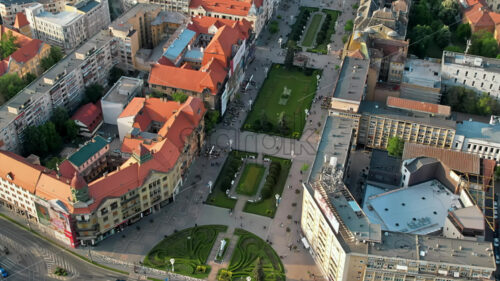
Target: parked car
3	272
496	242
495	204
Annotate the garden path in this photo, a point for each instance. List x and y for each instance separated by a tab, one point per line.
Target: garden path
227	256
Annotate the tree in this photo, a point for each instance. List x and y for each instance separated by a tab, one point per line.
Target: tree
8	44
54	141
420	39
10	85
463	32
290	54
211	119
258	271
448	11
30	77
453	48
114	75
34	142
484	44
273	27
497	172
179	97
93	93
468	101
443	36
71	129
59	117
349	25
54	56
395	146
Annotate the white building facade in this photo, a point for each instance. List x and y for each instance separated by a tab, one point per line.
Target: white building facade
473	72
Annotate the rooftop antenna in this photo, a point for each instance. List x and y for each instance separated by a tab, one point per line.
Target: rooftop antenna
469	43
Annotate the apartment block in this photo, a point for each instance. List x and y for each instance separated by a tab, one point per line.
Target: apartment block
473	72
95	12
181	6
64	29
81	213
255	11
479	138
347	243
62	85
206	60
143	26
9	9
422	81
118	97
412	121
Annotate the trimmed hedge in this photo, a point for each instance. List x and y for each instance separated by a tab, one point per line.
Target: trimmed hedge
190	248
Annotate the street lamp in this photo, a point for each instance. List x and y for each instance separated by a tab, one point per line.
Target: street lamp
230	144
249	278
172	261
277	196
210	186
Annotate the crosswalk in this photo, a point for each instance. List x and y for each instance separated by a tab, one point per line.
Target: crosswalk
52	261
17	271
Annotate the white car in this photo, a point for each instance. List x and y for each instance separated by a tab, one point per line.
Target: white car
496	242
495	203
497	259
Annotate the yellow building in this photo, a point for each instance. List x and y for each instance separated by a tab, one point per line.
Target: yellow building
26	59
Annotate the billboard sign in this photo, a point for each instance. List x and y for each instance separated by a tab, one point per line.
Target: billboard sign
326	210
237	59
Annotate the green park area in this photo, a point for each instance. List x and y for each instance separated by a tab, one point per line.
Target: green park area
231	166
279	108
250	179
311	30
252	257
275	183
189	248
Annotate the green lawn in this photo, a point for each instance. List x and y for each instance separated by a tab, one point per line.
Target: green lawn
312	30
250	248
233	162
190	249
250	179
267	207
274	112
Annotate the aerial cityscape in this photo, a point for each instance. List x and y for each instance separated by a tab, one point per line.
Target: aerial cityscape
249	140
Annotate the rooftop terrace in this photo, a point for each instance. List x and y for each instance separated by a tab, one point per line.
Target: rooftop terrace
488	64
422	73
122	91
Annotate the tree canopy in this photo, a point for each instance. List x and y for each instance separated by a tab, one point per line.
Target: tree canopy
114	75
54	56
93	93
395	146
8	44
484	44
179	97
42	140
468	101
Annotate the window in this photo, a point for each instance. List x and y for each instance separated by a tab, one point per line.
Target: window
104	211
105	219
114	205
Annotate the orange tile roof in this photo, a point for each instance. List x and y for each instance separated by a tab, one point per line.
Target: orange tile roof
230	7
202	24
221	44
418	106
133	107
20	20
21	172
165	152
479	17
455	160
187	79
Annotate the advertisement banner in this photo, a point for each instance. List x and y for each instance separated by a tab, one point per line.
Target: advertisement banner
42	211
237	59
325	209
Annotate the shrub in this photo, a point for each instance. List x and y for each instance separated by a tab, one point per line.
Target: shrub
266	192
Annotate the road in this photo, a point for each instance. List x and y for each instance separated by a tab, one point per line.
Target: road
32	258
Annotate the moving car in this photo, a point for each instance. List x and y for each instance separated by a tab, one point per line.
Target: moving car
3	272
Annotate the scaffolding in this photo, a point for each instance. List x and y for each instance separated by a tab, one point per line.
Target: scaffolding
481	189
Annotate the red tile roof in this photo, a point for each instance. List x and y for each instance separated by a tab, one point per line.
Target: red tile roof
479	17
202	24
220	47
20	20
230	7
455	160
418	106
90	115
21	172
27	49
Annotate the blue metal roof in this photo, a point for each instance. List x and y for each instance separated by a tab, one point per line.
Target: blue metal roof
175	49
193	55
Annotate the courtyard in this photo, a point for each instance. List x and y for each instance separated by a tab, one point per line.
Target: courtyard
282	101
